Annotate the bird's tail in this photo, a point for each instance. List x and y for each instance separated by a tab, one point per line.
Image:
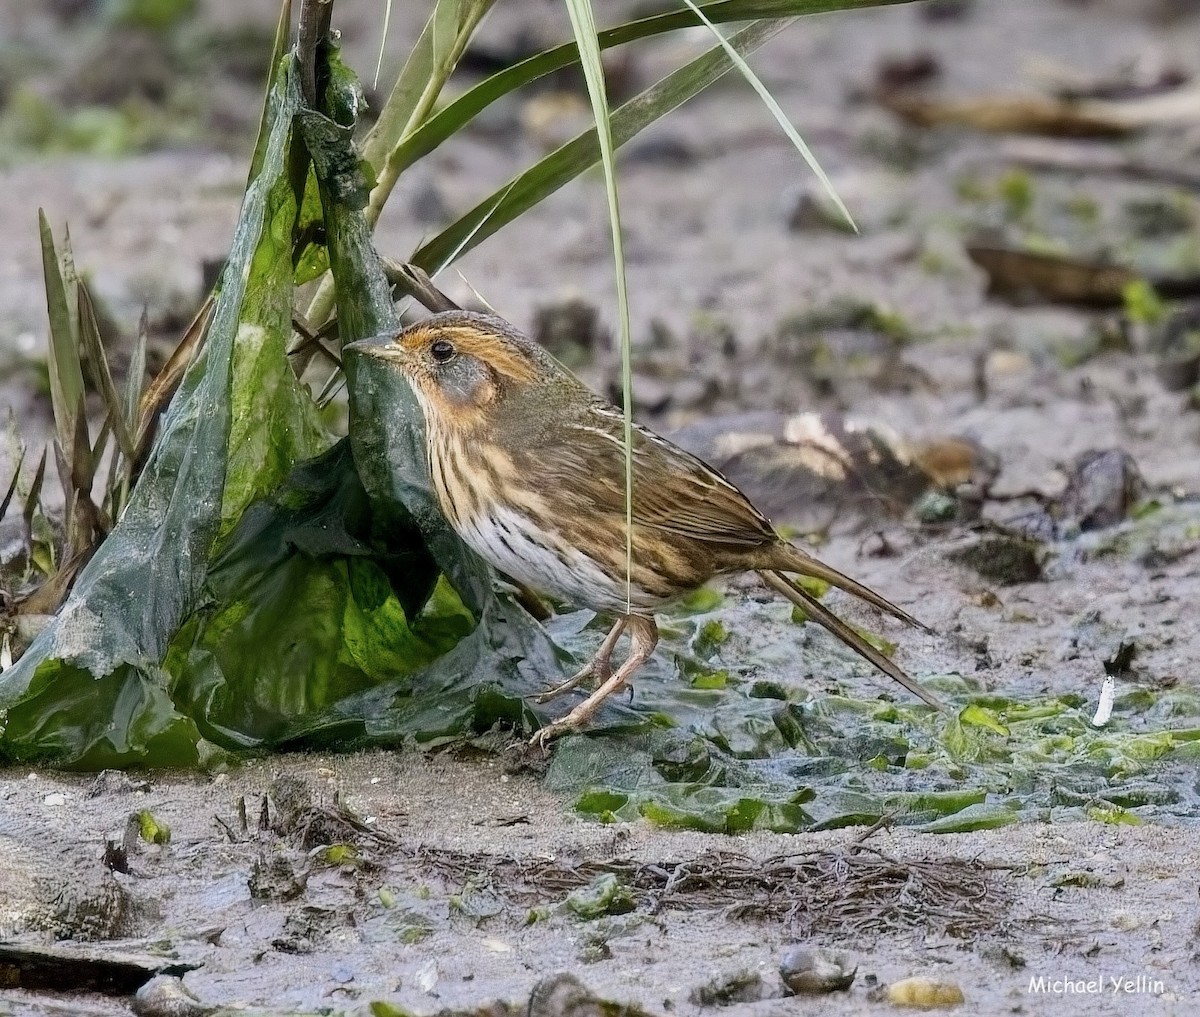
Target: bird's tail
827	619
792	559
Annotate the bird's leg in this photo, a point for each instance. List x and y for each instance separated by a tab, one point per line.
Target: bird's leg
643	636
599	666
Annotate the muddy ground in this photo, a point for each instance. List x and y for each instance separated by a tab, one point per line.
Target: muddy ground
433	912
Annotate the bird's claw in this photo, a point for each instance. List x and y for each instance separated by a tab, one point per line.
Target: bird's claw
597	673
543	736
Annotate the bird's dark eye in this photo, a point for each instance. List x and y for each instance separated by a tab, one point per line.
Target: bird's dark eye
442	350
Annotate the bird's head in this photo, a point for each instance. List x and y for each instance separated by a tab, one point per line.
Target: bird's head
464	367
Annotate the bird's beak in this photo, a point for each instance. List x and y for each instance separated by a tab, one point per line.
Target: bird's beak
381	347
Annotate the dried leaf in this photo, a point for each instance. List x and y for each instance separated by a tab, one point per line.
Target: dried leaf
1009	115
160	390
1022	275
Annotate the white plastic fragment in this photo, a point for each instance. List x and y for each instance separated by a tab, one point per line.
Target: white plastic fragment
1104	709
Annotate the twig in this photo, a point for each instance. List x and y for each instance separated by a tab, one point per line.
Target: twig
315	17
413	281
875	827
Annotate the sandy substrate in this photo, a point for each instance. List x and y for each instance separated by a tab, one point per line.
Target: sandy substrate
337	945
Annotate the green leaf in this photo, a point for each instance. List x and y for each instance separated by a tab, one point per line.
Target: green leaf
604	895
447	122
429	65
981	716
279	50
583	152
983	816
777	112
152	829
712	680
584	27
1114	815
66	374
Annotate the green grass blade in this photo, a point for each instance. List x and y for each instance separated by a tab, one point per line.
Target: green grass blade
429	65
12	484
89	338
777	112
583	152
457	114
431	62
583	24
66	374
136	375
387	24
283	30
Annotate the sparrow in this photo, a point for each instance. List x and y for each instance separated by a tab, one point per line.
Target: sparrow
529	468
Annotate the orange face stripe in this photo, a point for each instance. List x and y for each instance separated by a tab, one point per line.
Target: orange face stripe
493	351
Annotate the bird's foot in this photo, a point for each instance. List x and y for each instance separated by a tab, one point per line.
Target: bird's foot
579	717
596	671
645	636
543	736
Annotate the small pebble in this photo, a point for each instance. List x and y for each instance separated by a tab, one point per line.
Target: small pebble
56	798
167	996
936	507
924	992
807	972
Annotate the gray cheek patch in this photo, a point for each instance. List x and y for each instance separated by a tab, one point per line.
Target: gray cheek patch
462	379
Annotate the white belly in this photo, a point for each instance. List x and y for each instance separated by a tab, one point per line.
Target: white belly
547	564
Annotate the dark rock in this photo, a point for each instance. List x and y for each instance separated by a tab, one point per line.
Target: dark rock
273	878
1118	663
293	800
87	906
1159	216
650	394
571	330
946	10
427	206
669	151
810	209
1002	558
745	986
564	995
1176	347
241	52
69	11
912	71
1102	489
126	64
109	782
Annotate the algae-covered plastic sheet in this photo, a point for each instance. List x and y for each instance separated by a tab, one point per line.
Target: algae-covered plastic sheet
248	598
91	690
722	748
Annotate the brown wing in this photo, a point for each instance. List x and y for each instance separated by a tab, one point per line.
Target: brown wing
673	491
